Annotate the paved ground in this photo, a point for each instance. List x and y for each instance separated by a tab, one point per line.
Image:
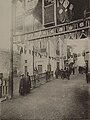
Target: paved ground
55	100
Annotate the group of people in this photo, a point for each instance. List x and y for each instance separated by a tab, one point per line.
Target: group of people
81	69
25	84
25	81
64	73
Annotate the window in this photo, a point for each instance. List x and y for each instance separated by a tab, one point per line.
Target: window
39	68
25	61
29	51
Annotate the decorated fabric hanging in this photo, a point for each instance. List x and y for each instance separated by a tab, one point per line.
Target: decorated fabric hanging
52	39
70	35
21	50
18	48
62	11
35	45
83	35
35	53
44	45
62	37
32	52
66	36
25	51
71	12
74	35
78	34
61	14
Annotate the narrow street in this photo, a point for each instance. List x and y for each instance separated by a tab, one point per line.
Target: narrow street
55	100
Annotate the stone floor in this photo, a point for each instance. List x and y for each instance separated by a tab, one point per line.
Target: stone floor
55	100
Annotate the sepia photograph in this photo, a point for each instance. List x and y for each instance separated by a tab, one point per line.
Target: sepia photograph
44	59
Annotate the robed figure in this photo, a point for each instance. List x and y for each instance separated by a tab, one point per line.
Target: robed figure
22	85
27	83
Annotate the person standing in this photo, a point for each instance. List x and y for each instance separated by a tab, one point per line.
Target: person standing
1	76
35	77
22	85
56	73
46	72
68	72
73	70
27	83
61	73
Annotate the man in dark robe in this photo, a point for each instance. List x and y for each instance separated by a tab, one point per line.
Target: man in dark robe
56	73
22	85
27	83
68	73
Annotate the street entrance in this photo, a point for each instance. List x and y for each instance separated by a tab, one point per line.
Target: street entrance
57	100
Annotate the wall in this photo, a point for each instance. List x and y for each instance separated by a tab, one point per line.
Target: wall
5	62
48	57
87	49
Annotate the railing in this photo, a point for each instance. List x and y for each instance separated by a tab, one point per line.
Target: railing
4	89
36	80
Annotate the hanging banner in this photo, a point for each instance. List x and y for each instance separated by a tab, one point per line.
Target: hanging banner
43	46
62	11
37	45
49	14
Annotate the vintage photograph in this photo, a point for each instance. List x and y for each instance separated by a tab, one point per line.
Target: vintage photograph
44	59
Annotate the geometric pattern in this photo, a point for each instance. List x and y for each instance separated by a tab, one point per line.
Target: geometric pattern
66	3
61	1
64	11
